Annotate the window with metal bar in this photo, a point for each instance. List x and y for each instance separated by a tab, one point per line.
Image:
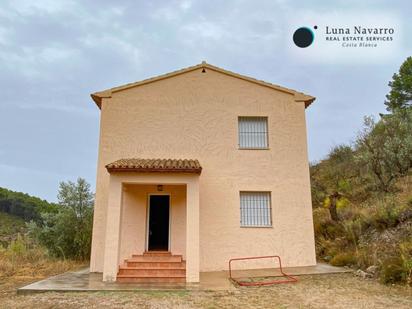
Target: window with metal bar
255	209
253	132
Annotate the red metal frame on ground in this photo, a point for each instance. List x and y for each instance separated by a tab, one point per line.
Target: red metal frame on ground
289	279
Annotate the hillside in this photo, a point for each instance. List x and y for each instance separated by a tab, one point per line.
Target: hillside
373	232
23	205
10	227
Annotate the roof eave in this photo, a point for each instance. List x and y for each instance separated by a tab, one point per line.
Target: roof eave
301	97
309	102
156	170
98	96
97	100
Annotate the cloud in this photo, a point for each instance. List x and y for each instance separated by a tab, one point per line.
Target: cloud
53	54
28	7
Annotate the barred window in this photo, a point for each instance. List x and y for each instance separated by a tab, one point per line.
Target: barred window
255	209
253	132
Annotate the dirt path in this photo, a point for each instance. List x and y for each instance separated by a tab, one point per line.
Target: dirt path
322	291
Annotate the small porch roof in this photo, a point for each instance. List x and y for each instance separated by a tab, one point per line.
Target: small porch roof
155	165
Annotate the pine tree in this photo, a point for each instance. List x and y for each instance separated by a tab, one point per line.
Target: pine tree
400	95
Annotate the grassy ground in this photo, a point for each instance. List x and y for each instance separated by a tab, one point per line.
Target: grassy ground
13	275
322	291
20	266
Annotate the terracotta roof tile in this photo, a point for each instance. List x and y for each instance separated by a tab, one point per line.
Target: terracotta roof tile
155	165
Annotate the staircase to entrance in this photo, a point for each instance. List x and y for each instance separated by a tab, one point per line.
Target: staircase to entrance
153	266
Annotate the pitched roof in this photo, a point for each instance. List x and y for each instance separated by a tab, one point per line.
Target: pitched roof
299	96
155	165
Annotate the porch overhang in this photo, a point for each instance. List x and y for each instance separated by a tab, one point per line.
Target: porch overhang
155	166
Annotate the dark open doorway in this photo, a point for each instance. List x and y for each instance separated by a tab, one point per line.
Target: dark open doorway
159	207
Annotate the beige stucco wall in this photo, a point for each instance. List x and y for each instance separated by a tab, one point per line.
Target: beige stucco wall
134	214
195	116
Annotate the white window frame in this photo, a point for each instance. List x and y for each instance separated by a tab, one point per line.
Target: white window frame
240	137
257	216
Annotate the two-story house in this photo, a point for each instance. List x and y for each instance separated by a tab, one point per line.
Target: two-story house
196	167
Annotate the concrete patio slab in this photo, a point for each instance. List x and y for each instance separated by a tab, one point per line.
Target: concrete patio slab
84	281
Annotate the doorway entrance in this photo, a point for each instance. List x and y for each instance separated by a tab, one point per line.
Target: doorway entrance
159	213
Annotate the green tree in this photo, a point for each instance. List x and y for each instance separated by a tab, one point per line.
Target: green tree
76	196
384	148
400	95
332	178
67	233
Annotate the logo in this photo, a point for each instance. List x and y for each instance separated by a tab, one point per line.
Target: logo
304	37
359	36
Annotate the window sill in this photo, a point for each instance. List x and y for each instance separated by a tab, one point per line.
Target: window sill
257	226
267	148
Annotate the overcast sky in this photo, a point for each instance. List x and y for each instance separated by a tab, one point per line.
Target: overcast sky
53	54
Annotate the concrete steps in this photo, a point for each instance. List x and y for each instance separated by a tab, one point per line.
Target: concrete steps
155	253
152	258
153	266
134	279
131	263
152	272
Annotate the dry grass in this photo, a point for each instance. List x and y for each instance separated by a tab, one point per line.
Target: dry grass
35	265
377	231
322	291
28	265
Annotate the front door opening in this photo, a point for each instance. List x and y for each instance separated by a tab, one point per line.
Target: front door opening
159	207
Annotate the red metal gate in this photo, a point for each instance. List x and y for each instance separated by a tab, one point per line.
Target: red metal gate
288	278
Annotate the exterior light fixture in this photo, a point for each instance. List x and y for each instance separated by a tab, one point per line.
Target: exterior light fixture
159	187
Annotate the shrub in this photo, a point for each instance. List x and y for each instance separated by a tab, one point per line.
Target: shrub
343	259
391	270
64	235
324	226
321	220
353	231
405	214
18	247
398	268
326	248
19	251
406	257
67	233
377	233
24	258
366	257
384	215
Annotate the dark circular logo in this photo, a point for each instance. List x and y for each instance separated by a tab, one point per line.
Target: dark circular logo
303	37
